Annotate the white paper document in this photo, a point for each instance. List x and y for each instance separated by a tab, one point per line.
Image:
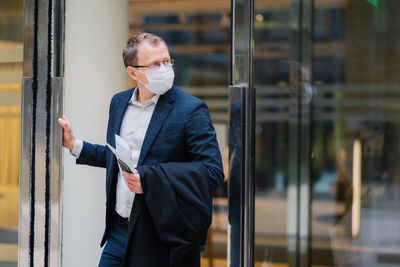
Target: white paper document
123	154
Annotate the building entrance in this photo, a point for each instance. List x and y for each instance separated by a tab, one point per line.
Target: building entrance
315	84
304	96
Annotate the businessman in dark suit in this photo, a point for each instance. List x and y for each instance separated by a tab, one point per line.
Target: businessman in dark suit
162	124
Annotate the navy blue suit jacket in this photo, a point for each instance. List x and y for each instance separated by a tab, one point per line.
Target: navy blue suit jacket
180	130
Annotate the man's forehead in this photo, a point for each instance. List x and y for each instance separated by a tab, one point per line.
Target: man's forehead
149	51
151	44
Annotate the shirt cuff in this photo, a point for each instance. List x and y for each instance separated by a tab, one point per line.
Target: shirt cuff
77	149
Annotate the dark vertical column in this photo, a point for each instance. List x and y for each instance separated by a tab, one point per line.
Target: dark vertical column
293	191
306	126
241	137
300	130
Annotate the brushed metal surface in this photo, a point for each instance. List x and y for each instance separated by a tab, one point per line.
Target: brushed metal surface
25	164
56	173
242	76
43	58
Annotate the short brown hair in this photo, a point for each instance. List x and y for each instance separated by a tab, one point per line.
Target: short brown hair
132	45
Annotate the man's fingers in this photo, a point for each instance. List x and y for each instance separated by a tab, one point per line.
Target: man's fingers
135	178
126	175
68	137
133	182
130	176
64	124
61	122
67	121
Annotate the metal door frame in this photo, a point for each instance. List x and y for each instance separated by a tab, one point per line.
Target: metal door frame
40	199
242	101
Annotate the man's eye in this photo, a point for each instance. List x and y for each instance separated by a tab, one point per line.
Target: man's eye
155	65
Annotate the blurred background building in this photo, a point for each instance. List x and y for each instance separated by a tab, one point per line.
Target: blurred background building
326	86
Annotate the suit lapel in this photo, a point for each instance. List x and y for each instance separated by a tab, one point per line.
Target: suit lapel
160	113
121	105
117	115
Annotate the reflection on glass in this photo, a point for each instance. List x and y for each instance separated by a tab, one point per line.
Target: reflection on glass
354	126
10	110
272	159
355	146
199	41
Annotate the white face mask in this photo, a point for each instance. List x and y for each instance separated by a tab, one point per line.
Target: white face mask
160	79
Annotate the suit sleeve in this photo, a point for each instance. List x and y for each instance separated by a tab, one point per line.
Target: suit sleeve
92	155
201	143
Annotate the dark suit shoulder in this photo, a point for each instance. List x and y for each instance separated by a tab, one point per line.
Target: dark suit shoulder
187	99
122	95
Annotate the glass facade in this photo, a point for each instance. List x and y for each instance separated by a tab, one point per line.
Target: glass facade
325	78
274	139
11	21
355	136
327	152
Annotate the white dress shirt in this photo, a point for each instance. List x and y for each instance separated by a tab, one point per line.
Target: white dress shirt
133	129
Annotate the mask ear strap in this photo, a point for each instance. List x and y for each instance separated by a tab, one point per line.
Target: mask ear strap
141	82
142	73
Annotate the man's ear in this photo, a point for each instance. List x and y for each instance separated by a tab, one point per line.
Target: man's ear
131	72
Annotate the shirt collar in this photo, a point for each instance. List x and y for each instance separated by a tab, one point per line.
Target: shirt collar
149	102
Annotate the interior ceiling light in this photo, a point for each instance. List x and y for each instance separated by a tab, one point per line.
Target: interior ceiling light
259	17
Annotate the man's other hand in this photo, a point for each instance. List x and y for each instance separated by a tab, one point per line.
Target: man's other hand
133	182
68	137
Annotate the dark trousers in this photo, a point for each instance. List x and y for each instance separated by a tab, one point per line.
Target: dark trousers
114	249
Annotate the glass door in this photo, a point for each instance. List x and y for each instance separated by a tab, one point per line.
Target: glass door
314	146
269	133
282	80
355	152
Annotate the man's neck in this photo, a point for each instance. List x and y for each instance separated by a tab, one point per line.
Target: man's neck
143	94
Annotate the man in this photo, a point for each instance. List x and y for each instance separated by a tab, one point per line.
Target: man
158	214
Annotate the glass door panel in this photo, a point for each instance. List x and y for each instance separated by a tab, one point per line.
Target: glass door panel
355	135
274	103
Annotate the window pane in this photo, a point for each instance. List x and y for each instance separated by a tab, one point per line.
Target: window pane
273	133
356	129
